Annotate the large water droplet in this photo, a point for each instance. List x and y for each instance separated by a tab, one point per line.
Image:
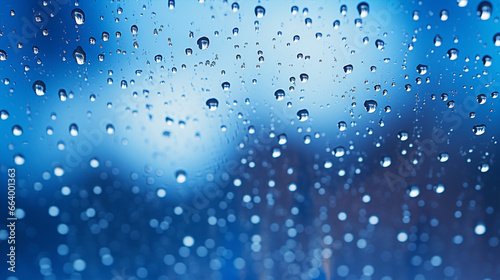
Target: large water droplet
260	12
348	68
39	88
484	10
203	43
180	176
78	15
403	136
479	129
304	77
370	106
17	130
303	115
452	54
73	129
422	69
79	55
212	104
363	9
380	44
3	55
279	94
385	161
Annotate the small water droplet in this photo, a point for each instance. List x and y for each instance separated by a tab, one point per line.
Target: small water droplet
79	55
180	176
370	106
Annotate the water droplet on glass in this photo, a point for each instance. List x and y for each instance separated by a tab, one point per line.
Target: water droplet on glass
134	29
444	15
370	106
363	9
481	98
342	126
438	40
180	176
110	129
421	69
73	129
484	167
79	16
203	43
403	136
260	12
380	44
484	10
17	130
479	129
39	88
443	157
212	104
462	3
304	77
58	171
19	159
452	54
385	161
3	55
79	55
487	61
303	115
4	115
279	94
348	68
226	86
496	40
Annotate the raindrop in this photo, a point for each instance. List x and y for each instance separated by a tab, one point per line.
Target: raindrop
403	136
370	106
444	15
385	162
487	61
496	40
19	159
158	58
348	68
484	10
421	69
79	55
180	176
260	12
212	104
380	44
4	115
303	115
452	54
134	29
235	7
203	43
342	126
363	9
481	98
226	86
73	129
58	171
17	130
304	77
79	16
110	129
479	129
279	94
39	88
3	55
437	40
443	157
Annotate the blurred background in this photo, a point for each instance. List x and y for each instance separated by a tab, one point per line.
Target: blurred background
251	140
